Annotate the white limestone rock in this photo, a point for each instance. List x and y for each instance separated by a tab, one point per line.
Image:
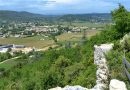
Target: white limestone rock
74	88
57	88
99	57
102	72
117	85
99	87
70	88
106	47
126	37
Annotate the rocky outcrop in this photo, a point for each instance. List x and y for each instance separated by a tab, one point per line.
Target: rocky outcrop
102	69
57	88
125	38
70	88
117	85
125	42
74	88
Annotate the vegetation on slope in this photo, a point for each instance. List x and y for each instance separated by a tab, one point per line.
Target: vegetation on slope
69	66
65	66
115	58
31	17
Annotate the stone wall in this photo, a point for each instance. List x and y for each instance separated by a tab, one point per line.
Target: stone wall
102	69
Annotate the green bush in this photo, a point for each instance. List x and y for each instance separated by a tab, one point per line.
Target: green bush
67	66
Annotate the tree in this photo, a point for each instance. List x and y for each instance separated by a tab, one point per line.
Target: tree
69	19
9	50
54	38
60	30
84	34
68	44
121	18
61	63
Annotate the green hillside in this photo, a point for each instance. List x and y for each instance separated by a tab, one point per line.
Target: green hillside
26	17
69	65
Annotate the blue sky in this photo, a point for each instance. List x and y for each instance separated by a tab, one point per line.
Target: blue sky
63	6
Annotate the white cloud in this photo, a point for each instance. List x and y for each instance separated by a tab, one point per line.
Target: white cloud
64	1
60	3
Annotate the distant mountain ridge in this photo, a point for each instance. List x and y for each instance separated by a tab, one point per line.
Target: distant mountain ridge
92	17
27	16
19	16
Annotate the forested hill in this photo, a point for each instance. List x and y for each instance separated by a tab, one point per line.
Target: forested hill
19	16
26	16
92	17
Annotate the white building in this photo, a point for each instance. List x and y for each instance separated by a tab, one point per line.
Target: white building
3	50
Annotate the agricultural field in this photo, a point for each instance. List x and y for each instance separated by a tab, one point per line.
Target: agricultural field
87	24
35	41
42	42
76	36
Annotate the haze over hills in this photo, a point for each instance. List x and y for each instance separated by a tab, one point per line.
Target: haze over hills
27	16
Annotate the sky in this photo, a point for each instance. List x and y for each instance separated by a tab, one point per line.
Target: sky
63	6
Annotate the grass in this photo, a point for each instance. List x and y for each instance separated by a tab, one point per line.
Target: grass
76	36
88	24
28	41
9	64
36	42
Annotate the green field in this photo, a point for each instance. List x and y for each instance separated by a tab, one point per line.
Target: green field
87	24
76	36
8	64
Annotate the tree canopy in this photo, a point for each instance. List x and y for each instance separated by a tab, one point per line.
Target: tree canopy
121	18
